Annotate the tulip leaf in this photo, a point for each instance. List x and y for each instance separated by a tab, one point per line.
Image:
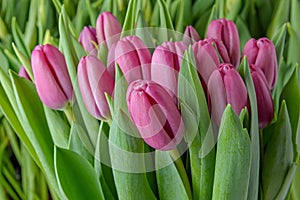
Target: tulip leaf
279	41
25	61
89	124
165	19
293	50
196	118
130	19
295	15
128	163
243	31
254	131
170	184
76	176
19	38
183	17
233	159
277	161
102	164
32	118
58	127
286	186
143	32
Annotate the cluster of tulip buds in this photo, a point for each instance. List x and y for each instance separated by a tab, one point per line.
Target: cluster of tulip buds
153	78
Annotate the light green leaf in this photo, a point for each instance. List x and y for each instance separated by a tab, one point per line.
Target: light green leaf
279	41
278	155
130	19
76	176
233	159
254	131
19	38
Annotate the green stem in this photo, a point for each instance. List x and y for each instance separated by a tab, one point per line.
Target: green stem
69	114
180	167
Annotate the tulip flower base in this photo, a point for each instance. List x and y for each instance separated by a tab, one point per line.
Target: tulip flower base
149	99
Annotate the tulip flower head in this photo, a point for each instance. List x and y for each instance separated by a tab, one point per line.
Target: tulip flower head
108	29
94	81
23	73
165	64
263	96
190	35
155	114
262	54
225	86
88	39
226	31
133	57
51	76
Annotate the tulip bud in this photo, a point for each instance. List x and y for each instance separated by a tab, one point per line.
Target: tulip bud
87	38
225	86
263	96
51	76
165	64
155	114
133	57
262	54
190	35
226	31
108	29
94	81
23	73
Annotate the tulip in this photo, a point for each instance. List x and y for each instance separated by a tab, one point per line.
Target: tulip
23	73
94	81
226	31
206	57
190	35
263	96
108	29
133	57
155	114
262	54
88	39
226	86
165	64
51	76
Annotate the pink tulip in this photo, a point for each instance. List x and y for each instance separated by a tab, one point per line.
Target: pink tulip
155	114
190	35
226	31
23	73
226	86
262	54
51	76
108	29
263	96
87	39
94	81
133	57
165	64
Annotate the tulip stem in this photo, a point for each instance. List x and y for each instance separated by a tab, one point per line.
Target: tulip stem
180	167
69	113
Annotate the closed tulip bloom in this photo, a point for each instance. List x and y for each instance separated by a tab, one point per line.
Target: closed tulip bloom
108	29
23	73
51	76
263	96
226	31
133	57
94	81
190	35
165	64
262	54
88	39
226	86
155	114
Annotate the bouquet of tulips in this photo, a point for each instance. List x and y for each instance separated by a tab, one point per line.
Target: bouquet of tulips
150	100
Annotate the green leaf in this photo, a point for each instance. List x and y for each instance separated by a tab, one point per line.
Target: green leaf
279	41
19	38
58	127
243	30
293	50
196	118
32	118
130	19
25	61
295	15
233	8
278	155
254	131
183	16
286	186
76	176
170	185
128	163
233	159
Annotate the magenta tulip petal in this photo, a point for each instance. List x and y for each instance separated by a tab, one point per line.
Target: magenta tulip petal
190	35
23	73
87	38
